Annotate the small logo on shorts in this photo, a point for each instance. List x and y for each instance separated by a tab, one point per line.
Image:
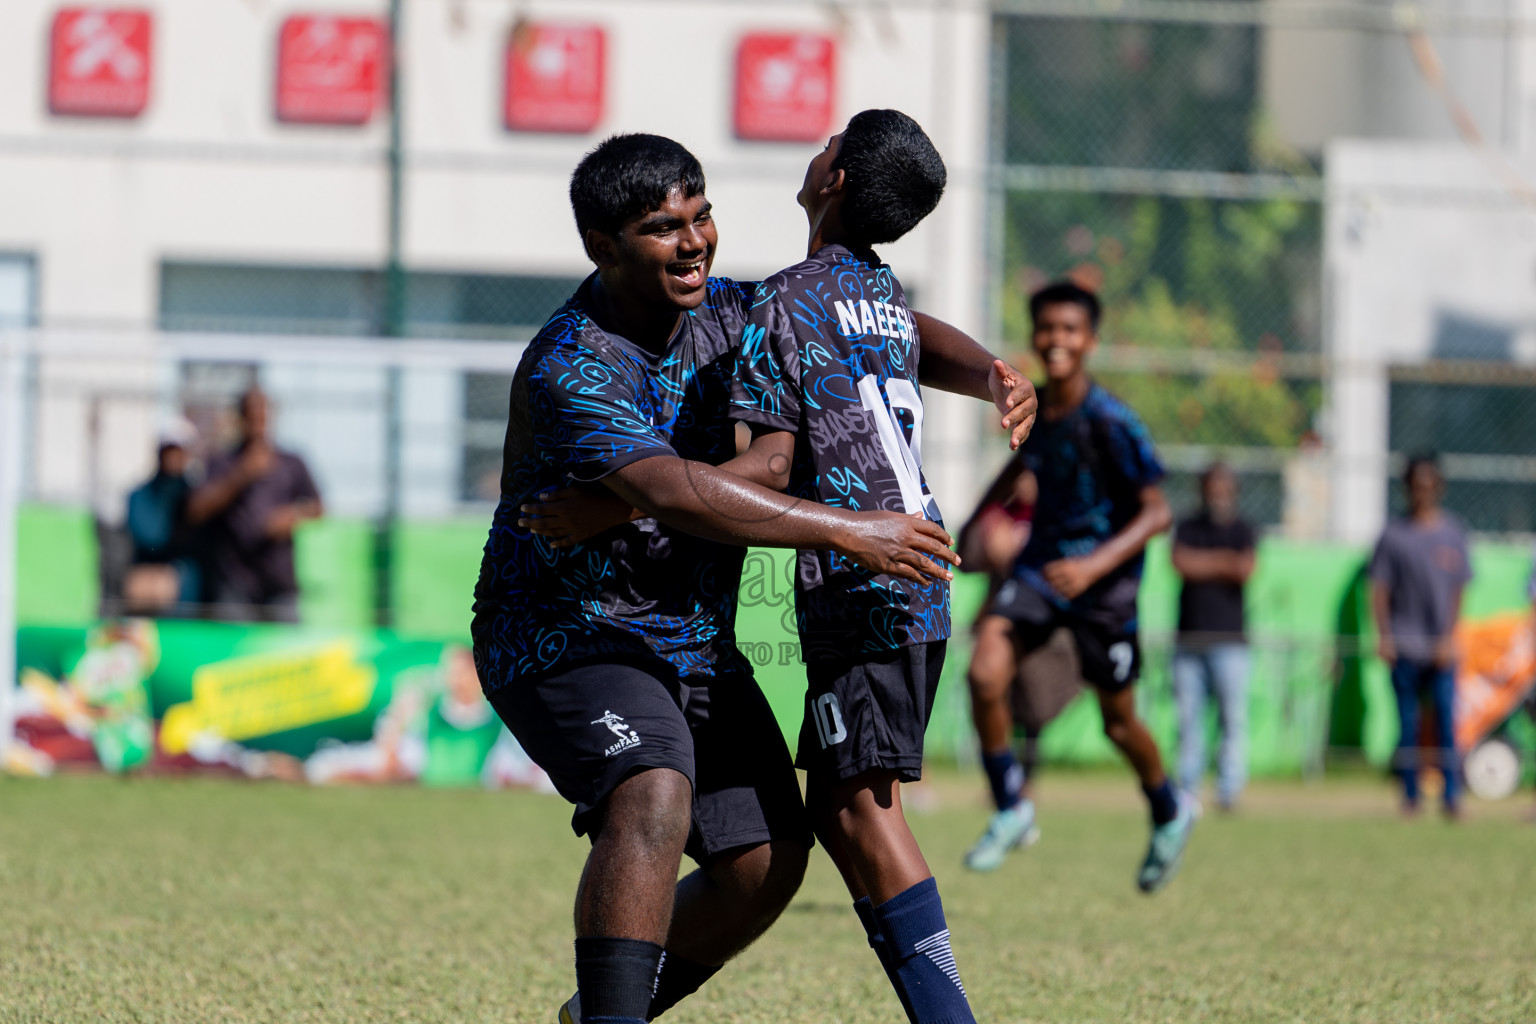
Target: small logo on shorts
616	725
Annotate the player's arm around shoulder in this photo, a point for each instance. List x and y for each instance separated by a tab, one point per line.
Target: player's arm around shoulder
767	460
951	360
708	502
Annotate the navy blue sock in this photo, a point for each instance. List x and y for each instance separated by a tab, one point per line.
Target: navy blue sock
677	978
1165	803
917	941
866	911
1006	778
616	979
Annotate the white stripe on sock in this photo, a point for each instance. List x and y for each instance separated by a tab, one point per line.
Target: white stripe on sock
936	948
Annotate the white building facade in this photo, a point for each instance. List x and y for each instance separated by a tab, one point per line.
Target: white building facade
205	213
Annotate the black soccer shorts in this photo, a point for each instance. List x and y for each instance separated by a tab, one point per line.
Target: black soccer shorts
869	711
1108	643
592	726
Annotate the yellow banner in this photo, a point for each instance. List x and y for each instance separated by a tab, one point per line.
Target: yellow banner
269	693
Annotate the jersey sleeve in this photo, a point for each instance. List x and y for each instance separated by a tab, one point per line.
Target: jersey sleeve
1131	451
586	417
766	387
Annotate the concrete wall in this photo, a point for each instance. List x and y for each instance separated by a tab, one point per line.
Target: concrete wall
1415	233
1322	82
208	174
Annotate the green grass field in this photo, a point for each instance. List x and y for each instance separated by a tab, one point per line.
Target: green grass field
212	901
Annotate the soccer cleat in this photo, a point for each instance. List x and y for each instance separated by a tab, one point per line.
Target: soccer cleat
1006	831
570	1012
1166	851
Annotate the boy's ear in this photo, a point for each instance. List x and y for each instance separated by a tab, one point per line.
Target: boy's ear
837	181
601	248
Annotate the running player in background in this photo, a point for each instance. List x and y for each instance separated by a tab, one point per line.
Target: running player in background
832	354
1049	678
614	662
1099	504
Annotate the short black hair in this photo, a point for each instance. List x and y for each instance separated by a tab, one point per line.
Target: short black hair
894	176
628	175
1059	292
1422	460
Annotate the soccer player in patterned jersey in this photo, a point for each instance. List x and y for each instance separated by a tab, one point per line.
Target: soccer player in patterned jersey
614	662
1099	504
832	353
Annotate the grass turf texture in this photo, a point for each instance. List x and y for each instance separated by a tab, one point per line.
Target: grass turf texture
215	901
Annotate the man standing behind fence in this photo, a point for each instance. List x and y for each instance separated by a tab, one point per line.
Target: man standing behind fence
255	497
1213	552
1418	574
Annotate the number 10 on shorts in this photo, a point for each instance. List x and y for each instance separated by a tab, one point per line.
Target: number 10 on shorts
829	720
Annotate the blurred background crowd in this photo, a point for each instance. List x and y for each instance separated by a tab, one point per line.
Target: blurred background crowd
266	267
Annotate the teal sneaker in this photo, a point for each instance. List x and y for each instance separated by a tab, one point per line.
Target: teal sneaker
570	1013
1166	851
1006	831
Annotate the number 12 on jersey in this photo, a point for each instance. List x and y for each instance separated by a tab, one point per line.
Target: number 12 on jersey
906	459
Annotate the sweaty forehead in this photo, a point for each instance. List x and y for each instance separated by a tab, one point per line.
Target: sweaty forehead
677	205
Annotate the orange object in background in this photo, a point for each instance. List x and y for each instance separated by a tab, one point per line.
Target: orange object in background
1497	671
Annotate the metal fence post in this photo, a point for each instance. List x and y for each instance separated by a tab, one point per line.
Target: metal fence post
394	327
12	371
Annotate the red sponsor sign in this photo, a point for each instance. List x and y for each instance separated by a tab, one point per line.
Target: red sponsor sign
330	70
784	86
555	77
100	62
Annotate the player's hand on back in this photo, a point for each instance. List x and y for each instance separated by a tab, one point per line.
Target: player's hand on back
1014	396
906	546
573	515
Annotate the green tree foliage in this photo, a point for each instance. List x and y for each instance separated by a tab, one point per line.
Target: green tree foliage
1179	275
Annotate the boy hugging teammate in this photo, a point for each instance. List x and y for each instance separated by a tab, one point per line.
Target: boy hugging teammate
1099	503
613	659
832	354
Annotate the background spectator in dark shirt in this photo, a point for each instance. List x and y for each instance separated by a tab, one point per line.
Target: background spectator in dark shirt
255	497
1213	551
1418	574
163	574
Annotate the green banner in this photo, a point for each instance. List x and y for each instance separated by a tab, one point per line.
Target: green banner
340	702
330	705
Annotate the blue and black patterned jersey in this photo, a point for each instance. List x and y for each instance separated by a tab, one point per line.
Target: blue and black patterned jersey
831	354
585	403
1091	466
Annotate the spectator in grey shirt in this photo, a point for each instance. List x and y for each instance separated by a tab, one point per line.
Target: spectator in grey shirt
1418	573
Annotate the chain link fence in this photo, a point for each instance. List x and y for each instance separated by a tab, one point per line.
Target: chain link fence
1171	156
